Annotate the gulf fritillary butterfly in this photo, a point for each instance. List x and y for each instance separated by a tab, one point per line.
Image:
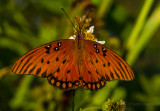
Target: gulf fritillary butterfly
73	63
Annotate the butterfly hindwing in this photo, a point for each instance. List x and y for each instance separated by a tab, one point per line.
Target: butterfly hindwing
103	65
54	61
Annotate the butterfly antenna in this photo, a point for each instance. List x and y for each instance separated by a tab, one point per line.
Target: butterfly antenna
68	17
86	17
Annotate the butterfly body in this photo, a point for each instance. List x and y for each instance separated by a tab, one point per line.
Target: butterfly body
73	63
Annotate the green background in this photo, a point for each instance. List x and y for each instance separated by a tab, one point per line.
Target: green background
129	27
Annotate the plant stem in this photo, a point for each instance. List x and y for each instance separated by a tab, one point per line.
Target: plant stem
139	23
149	29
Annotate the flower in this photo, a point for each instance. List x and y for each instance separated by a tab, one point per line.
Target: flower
89	36
114	105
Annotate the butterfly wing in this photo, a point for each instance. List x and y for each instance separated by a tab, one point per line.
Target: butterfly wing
101	65
54	61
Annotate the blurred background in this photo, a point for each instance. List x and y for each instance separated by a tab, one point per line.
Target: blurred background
129	27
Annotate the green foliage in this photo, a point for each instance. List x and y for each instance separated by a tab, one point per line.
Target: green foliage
130	28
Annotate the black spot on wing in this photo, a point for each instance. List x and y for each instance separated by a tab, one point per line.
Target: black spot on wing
48	62
97	72
95	46
59	44
104	54
57	59
68	71
38	71
56	49
91	62
104	51
64	61
109	64
97	50
48	47
112	76
89	72
58	70
42	60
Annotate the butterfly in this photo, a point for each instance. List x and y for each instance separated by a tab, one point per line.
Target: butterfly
81	61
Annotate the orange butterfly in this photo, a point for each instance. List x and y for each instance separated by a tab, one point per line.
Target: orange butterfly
76	62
